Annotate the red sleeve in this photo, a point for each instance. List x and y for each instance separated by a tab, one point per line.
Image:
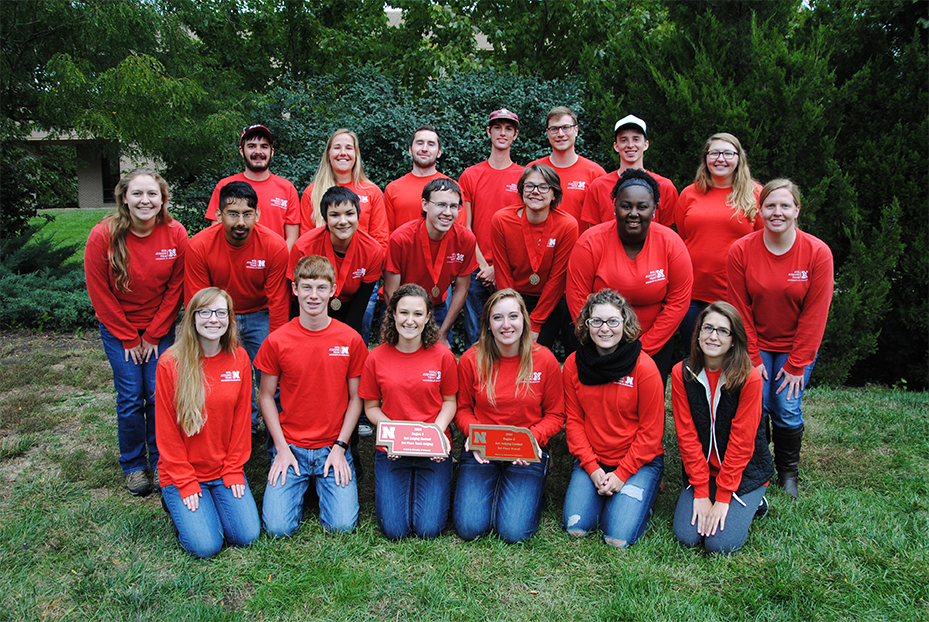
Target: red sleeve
741	444
677	300
449	373
359	355
292	214
196	271
394	259
680	210
554	287
502	273
467	380
575	426
650	396
166	314
737	295
307	222
667	204
695	464
240	441
811	325
373	263
581	274
276	284
468	244
214	203
553	415
172	452
97	275
377	226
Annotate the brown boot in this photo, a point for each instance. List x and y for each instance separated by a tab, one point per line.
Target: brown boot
787	443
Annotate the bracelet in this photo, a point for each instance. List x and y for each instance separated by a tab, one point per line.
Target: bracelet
341	444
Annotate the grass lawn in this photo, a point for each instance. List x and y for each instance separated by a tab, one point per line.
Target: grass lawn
72	226
75	546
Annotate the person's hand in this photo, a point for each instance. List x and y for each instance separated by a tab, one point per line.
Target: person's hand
763	371
443	339
793	383
339	465
193	501
597	478
486	275
700	518
521	463
283	459
134	354
716	518
610	484
238	490
477	456
148	350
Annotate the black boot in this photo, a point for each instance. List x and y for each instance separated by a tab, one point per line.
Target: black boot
787	443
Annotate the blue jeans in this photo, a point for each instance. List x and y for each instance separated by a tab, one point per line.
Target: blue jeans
474	307
135	402
439	313
282	506
738	520
622	517
411	495
220	516
253	330
499	495
784	413
369	313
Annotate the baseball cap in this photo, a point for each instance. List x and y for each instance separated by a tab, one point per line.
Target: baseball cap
631	119
256	129
503	113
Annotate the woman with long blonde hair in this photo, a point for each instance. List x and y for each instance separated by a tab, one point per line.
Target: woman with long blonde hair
505	379
134	268
203	411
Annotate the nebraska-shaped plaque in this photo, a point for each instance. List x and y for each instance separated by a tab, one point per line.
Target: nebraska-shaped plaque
412	438
503	442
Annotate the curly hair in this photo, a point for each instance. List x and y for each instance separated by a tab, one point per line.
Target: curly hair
606	296
389	332
635	173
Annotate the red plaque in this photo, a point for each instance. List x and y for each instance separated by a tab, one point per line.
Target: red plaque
503	442
412	438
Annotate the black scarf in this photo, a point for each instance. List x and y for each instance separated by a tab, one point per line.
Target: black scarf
593	369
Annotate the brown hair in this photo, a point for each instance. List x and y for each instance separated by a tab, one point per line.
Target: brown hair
488	352
314	267
550	177
389	333
737	365
560	111
742	196
606	296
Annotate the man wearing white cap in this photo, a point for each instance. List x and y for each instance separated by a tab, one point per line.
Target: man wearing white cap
486	188
631	143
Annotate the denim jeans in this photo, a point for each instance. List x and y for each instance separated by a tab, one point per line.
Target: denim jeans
784	413
439	312
135	402
411	495
282	506
220	516
622	517
474	307
369	314
253	330
499	495
738	520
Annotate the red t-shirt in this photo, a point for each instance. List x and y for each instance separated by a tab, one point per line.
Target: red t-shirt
277	199
406	258
657	283
599	207
223	446
784	299
619	423
513	268
575	181
410	384
255	275
540	408
739	449
403	199
314	367
156	278
709	225
373	218
365	257
488	190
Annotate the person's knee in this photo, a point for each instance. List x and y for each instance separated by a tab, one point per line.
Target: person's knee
617	542
278	525
205	547
721	546
687	535
572	524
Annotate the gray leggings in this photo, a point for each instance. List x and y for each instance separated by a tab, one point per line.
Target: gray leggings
738	520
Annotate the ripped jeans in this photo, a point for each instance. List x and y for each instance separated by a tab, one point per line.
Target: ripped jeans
622	517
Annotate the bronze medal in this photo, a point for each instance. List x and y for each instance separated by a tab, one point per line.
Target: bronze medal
436	292
534	279
336	304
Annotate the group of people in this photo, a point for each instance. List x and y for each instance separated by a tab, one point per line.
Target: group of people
278	314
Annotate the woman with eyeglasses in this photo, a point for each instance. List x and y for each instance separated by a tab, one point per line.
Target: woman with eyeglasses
531	246
614	402
203	407
134	267
717	209
645	262
716	397
781	281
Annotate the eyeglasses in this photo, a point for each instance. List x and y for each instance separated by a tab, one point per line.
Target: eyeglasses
444	206
613	322
543	188
558	129
206	314
235	216
709	329
726	155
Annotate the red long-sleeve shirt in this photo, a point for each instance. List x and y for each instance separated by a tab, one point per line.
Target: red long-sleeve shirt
255	275
541	408
513	268
373	219
620	423
223	446
657	283
599	207
784	299
156	278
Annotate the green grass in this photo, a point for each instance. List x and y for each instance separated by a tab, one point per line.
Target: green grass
72	226
75	546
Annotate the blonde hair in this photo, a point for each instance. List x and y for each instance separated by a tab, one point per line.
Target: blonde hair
488	352
325	176
742	196
119	222
191	390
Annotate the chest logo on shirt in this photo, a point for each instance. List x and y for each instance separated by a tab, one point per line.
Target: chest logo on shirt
577	185
338	351
279	202
535	378
655	276
455	258
357	274
255	264
552	242
362	198
798	276
625	381
166	254
432	376
230	376
511	188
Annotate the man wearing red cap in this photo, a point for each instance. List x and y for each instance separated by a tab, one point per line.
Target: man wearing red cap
277	198
486	188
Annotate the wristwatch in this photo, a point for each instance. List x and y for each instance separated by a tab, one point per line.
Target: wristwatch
341	444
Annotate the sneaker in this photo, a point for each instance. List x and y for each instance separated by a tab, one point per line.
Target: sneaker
762	510
365	430
138	483
156	480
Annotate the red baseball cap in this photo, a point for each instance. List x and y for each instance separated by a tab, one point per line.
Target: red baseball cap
256	129
503	114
